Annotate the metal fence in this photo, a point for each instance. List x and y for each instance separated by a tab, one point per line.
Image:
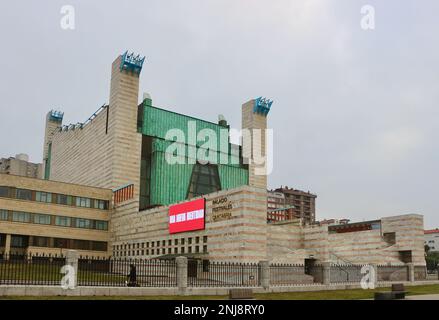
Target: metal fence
393	273
116	272
420	273
293	274
20	269
223	274
345	273
46	270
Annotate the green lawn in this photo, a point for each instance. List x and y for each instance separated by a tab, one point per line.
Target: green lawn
51	273
317	295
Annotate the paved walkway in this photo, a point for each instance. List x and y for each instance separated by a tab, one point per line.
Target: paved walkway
423	297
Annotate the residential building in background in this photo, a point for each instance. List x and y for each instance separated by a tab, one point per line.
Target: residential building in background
432	239
299	204
20	166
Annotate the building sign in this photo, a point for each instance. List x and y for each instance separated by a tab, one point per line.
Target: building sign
221	209
188	216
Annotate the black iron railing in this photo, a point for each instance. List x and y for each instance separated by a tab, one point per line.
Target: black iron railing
223	274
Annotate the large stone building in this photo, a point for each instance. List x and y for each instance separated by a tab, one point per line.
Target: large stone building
174	193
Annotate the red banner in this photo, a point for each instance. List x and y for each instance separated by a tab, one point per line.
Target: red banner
188	216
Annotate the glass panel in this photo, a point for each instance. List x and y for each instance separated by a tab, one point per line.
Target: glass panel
83	223
24	194
42	219
63	221
18	216
4	215
4	191
101	225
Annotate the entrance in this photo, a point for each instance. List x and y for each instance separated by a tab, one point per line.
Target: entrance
309	264
192	268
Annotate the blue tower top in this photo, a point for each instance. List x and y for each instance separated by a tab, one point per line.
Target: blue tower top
56	116
131	62
262	106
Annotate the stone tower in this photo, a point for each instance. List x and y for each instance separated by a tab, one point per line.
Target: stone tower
126	141
53	121
104	151
254	125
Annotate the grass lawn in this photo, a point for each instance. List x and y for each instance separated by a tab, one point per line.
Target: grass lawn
317	295
51	273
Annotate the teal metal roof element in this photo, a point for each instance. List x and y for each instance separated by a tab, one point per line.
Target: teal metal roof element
131	62
262	106
56	115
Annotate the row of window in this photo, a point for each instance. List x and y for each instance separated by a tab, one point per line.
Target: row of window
158	243
158	251
48	197
48	219
22	242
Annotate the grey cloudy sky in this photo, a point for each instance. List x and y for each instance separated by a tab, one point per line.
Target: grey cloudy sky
355	115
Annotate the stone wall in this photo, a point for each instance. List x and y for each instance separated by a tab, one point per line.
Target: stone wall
239	234
292	243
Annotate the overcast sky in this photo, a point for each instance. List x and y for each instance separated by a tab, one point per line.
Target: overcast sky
355	113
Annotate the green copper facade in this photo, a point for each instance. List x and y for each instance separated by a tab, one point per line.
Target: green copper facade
163	183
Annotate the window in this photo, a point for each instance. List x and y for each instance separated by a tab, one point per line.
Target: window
175	250
23	194
189	240
81	244
63	221
169	242
99	246
101	225
4	191
176	241
40	242
42	218
83	223
83	202
205	239
100	204
204	249
197	240
4	215
18	216
43	196
197	249
63	199
182	241
158	243
60	243
19	241
204	180
182	249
